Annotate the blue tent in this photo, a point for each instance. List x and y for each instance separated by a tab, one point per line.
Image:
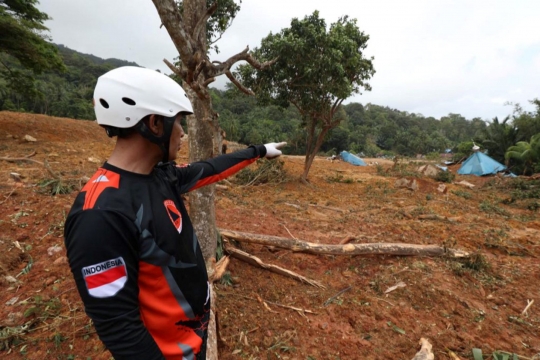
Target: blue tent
480	164
353	159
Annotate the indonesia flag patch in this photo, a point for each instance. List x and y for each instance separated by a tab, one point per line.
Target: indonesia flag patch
106	278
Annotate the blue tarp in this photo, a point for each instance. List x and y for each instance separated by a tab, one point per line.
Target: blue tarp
353	159
480	164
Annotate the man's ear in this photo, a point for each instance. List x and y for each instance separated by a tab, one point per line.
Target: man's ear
155	124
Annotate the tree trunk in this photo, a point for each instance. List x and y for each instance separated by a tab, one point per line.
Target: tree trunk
312	149
400	249
201	147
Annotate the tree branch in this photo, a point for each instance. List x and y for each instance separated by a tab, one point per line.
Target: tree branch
223	67
170	17
202	21
238	84
181	73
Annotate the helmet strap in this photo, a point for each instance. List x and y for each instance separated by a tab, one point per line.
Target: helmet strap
162	141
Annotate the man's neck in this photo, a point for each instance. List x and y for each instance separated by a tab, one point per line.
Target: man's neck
135	154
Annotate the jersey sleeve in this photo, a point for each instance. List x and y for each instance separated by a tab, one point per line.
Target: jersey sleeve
103	256
201	173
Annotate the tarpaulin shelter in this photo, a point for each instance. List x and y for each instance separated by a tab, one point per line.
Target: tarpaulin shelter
352	159
480	164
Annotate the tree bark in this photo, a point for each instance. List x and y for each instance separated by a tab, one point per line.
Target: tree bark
201	202
401	249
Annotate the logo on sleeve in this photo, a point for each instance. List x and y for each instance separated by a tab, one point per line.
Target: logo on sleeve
106	278
174	214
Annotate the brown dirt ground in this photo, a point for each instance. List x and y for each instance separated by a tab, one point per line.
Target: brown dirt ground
457	305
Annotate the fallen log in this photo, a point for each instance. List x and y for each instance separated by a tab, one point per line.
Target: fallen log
253	260
27	158
400	249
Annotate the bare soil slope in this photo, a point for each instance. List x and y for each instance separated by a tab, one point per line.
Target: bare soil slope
456	305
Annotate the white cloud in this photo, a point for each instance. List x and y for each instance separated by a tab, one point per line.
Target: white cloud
431	57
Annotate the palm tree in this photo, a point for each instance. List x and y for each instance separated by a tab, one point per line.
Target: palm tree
527	153
498	137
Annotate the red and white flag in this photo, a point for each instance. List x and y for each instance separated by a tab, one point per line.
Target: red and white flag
106	278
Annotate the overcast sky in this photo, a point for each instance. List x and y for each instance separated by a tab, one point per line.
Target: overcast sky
432	57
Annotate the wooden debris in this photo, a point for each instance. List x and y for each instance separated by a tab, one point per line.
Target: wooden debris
301	311
347	240
15	176
218	269
453	355
328	208
27	158
425	352
293	205
392	288
529	304
348	249
253	260
465	183
329	301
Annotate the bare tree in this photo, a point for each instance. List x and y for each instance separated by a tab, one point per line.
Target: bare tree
191	25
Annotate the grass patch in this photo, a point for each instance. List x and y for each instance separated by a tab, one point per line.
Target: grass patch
464	194
55	187
490	208
266	172
338	178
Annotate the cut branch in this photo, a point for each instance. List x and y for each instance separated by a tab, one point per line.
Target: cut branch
401	249
253	260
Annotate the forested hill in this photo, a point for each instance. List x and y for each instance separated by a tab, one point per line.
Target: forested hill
366	128
69	53
56	93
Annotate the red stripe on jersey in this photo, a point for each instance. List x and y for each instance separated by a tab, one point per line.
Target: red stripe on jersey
218	177
160	312
106	277
101	180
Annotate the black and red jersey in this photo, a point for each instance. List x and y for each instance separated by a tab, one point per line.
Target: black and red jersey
136	259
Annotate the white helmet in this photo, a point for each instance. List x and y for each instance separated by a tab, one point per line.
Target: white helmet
125	95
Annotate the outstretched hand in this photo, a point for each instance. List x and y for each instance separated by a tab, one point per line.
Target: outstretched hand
272	149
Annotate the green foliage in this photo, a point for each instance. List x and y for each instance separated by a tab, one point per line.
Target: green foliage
463	150
315	69
463	194
445	176
55	187
498	137
221	19
489	207
56	92
41	308
338	178
526	154
24	45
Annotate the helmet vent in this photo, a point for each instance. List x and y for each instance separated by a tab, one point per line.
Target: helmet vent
104	103
128	101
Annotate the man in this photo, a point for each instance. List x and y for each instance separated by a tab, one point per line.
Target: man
130	243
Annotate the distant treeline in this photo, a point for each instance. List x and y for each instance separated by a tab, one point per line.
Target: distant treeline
375	130
56	93
369	129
